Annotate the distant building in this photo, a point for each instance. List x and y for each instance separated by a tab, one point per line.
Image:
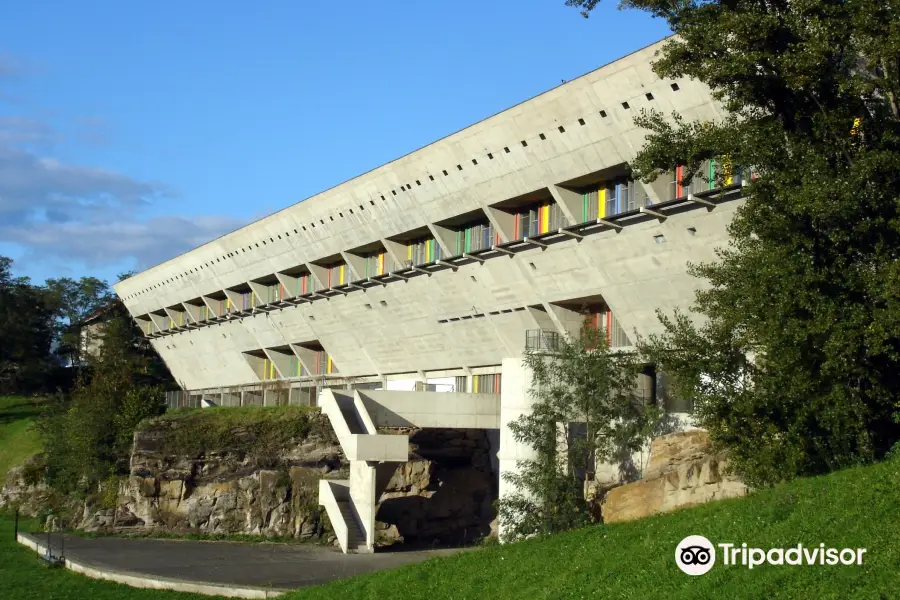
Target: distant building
88	334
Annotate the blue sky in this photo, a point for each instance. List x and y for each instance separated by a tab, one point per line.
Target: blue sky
130	134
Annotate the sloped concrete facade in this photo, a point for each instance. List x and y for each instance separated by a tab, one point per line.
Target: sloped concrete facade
454	317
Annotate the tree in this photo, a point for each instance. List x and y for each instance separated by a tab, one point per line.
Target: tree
26	332
586	411
87	438
792	358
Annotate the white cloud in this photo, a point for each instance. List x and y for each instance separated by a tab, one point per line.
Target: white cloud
65	213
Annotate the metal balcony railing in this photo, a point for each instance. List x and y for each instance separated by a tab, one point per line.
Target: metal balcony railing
539	340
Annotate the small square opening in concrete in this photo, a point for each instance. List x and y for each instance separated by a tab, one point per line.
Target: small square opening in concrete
581	121
659	239
542	136
561	129
675	87
383	303
649	96
603	114
625	105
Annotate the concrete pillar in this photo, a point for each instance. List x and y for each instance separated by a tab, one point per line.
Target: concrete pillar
515	400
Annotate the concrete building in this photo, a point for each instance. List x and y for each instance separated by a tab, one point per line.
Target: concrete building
433	273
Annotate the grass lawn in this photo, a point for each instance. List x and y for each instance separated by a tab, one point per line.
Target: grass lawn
22	575
856	508
18	440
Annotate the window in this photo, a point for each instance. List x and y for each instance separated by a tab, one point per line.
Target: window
537	219
486	384
423	251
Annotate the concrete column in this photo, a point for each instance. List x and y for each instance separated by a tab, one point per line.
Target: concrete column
362	498
515	401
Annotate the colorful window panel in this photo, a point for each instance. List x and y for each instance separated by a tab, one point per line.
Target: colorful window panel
423	251
337	275
486	384
539	219
475	237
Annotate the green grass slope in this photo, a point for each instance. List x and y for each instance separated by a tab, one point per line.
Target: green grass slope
18	440
856	508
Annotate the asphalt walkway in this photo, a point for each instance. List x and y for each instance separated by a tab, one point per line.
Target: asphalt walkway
279	566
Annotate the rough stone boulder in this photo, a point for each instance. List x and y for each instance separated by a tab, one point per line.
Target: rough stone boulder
682	472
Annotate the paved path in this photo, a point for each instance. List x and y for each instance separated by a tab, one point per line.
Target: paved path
279	566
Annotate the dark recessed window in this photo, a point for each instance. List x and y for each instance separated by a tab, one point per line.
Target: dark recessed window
295	231
675	87
369	306
340	214
418	182
506	149
408	187
272	240
372	202
431	177
649	96
459	167
445	172
542	136
561	129
490	156
264	242
394	192
303	227
581	121
313	225
331	218
382	197
351	212
474	162
524	144
383	303
625	105
603	114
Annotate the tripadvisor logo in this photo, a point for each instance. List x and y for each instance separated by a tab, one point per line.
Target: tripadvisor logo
696	555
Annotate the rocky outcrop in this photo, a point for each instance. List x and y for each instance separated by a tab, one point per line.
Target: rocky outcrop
227	489
682	472
24	489
444	494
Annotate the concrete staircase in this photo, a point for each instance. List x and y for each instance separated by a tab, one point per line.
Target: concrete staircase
356	539
351	503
